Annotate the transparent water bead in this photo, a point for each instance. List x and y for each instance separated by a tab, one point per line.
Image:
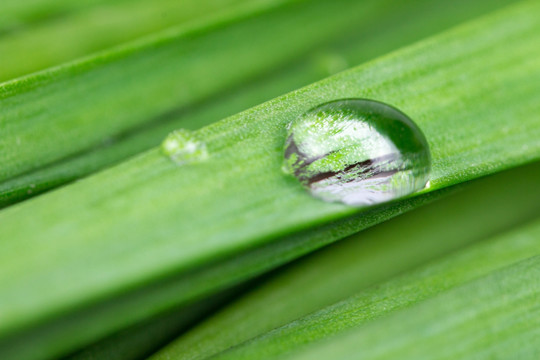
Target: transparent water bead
182	146
357	151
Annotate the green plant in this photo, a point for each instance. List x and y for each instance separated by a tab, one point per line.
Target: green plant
128	243
346	285
80	115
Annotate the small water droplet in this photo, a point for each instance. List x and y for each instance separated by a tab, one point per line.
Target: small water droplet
357	151
183	147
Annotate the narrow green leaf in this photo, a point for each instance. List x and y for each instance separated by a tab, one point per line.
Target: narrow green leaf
369	258
148	218
72	32
370	37
93	99
142	339
18	14
67	328
493	317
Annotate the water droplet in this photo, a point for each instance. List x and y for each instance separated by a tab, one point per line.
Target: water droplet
182	146
357	151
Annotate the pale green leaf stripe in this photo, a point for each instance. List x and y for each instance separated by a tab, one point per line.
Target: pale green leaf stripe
72	35
143	219
369	38
369	258
495	317
63	111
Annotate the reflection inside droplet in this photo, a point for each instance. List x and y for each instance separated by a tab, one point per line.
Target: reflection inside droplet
357	151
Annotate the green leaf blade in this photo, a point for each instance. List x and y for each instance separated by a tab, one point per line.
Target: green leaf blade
143	81
469	321
370	37
68	31
142	221
359	279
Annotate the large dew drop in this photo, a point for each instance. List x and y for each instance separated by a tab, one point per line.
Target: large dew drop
182	146
357	151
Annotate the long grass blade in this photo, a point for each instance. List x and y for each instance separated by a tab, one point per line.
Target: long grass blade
350	272
369	37
149	219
